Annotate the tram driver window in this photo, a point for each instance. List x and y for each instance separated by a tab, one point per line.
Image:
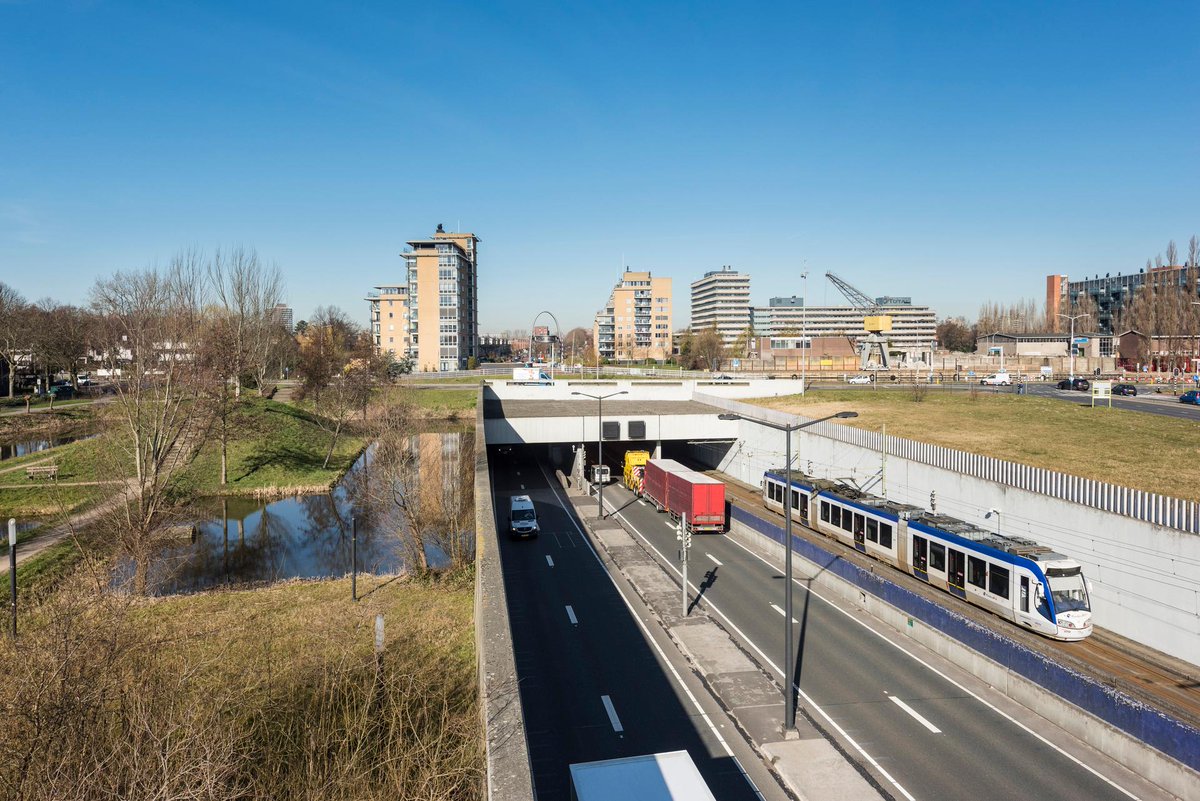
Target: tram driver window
937	556
976	572
885	535
873	530
825	511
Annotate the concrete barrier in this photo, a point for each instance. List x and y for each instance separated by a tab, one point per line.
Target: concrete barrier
509	776
1149	742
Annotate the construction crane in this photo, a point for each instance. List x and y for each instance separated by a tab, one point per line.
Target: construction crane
875	323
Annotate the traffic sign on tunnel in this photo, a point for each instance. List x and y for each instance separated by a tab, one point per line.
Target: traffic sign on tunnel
637	429
610	429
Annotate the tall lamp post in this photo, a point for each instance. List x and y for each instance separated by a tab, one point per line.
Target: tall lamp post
805	347
12	570
600	443
1196	358
1071	344
789	658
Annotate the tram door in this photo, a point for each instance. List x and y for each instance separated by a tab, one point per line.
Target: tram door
1025	594
958	561
859	529
920	558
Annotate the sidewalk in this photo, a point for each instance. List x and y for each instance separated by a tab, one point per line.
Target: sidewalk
810	766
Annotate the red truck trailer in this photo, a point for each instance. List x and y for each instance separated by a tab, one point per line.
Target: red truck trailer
681	492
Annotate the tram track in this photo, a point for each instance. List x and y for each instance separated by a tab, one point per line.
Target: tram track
1158	680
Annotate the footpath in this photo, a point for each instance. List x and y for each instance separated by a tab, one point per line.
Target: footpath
809	764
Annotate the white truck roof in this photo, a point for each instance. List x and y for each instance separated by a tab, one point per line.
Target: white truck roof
669	776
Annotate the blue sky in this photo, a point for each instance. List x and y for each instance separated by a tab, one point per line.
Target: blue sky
955	152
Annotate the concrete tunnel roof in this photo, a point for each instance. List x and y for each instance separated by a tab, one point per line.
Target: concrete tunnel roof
494	409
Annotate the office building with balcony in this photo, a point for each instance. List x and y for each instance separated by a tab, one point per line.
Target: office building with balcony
722	298
635	323
435	312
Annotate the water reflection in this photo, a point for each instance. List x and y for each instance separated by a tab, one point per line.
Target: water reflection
242	540
11	450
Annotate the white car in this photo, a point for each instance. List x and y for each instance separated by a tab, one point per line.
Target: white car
860	379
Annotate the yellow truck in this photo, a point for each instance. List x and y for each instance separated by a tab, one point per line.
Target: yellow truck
635	466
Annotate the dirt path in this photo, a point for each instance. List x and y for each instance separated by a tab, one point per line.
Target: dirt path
23	465
31	548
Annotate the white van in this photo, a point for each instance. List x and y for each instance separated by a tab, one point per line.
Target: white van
996	380
522	519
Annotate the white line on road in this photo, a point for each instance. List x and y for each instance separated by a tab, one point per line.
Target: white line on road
522	486
549	560
915	714
658	648
715	560
781	612
612	713
571	616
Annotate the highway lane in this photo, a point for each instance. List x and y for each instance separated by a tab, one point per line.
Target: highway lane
932	737
593	685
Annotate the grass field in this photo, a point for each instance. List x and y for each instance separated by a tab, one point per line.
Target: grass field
266	693
1145	451
77	462
275	447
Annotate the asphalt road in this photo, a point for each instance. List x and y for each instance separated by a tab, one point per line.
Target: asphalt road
1167	406
928	736
595	681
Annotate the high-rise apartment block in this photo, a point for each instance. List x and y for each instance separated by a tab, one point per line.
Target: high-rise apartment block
1110	294
433	317
722	298
636	321
282	315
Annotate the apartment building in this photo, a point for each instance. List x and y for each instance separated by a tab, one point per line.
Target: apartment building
913	327
636	321
282	315
1110	294
433	317
722	298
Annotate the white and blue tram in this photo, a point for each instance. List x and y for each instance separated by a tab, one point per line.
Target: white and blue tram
1013	577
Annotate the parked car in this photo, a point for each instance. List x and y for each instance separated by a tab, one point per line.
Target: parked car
1192	396
1078	384
860	379
996	380
62	391
1124	389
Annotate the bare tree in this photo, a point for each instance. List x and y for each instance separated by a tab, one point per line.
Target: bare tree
327	344
248	291
1172	254
14	331
151	324
708	349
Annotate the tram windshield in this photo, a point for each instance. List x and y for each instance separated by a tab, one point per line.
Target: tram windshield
1069	592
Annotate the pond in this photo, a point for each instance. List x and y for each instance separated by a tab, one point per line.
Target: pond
24	447
248	541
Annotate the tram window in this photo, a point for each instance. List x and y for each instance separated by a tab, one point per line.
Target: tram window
803	505
873	530
835	515
937	556
998	580
771	491
825	511
847	520
977	572
858	523
1024	593
796	496
885	535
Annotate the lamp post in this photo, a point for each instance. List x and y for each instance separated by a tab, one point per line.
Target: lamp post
600	443
789	659
993	512
1071	344
1196	358
804	334
12	570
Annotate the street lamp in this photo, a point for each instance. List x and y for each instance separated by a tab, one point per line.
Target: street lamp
600	443
789	660
1071	344
12	570
994	513
1196	358
803	334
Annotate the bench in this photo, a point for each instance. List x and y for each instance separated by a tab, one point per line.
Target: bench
42	471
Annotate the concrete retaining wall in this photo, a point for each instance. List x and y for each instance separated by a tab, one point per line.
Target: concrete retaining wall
509	777
1146	577
1164	750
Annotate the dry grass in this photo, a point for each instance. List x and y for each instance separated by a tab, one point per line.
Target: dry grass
1136	449
270	693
